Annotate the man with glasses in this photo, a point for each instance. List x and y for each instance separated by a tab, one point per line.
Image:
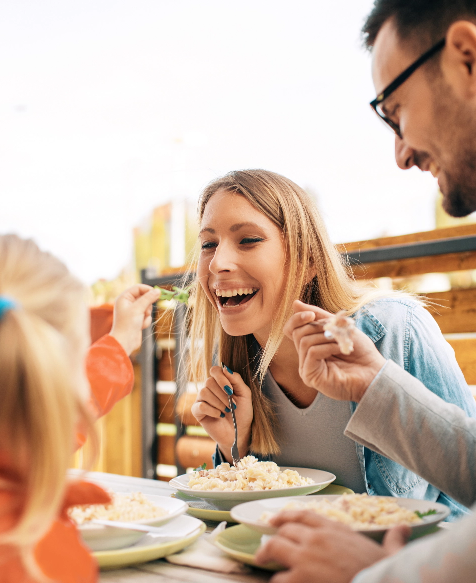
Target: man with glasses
424	71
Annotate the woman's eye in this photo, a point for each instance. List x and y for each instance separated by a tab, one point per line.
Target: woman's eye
208	245
251	240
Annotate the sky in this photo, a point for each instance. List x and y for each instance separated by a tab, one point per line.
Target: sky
109	108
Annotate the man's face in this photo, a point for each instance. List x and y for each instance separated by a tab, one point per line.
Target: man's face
438	128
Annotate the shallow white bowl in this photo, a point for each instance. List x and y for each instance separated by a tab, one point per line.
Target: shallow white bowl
250	513
107	538
227	500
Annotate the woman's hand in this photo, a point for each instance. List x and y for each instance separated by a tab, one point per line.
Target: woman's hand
212	410
322	365
132	314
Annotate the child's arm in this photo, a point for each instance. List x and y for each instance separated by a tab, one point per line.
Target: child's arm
108	365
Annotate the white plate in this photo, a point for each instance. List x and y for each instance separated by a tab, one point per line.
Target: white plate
180	533
226	500
103	538
250	512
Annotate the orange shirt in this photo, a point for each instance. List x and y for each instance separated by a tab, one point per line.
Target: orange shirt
61	554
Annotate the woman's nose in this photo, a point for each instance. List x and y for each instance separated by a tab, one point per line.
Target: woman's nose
223	259
404	155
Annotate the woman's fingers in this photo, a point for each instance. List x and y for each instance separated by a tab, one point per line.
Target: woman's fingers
213	396
201	410
231	382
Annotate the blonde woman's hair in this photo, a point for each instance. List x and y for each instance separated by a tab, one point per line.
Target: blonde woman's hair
320	276
43	341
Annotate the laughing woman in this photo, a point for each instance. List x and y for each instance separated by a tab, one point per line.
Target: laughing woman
263	245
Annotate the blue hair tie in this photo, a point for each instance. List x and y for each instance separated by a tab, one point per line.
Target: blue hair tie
6	304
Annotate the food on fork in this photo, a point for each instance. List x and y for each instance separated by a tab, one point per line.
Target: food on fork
124	507
249	474
358	511
340	326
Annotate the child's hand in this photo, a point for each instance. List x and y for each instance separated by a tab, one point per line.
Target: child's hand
212	410
132	314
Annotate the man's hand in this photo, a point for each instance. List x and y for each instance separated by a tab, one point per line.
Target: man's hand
132	314
316	550
321	364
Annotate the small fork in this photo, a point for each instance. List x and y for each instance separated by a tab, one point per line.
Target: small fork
235	456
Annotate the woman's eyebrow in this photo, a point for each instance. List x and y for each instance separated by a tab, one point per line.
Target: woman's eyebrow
233	228
238	226
207	230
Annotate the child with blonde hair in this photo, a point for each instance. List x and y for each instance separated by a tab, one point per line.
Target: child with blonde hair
45	398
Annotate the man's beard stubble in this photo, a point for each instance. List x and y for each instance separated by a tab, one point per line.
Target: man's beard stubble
455	132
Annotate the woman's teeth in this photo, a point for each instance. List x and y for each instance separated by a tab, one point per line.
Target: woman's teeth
228	293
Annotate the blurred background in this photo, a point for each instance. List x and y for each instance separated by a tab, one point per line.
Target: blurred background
115	114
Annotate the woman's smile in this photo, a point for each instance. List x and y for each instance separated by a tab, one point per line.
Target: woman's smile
234	298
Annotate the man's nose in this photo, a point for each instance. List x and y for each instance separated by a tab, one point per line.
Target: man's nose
404	155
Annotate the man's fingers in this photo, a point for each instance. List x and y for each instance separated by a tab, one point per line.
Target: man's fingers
396	538
277	549
296	321
299	306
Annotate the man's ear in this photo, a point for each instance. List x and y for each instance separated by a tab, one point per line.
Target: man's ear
458	61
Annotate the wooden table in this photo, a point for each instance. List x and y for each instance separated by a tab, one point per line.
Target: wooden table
160	570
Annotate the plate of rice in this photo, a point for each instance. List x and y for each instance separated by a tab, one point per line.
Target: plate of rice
370	515
132	507
250	480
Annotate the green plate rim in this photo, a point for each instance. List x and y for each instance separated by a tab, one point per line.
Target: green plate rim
247	558
130	555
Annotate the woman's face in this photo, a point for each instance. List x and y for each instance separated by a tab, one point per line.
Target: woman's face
242	264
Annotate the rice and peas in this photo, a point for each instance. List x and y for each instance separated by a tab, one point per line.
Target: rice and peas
248	475
358	511
124	507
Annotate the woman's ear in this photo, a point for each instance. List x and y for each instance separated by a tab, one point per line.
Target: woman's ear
458	63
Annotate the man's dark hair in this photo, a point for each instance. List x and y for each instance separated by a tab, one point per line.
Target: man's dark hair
419	22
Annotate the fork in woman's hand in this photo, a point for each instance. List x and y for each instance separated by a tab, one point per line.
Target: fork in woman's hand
235	456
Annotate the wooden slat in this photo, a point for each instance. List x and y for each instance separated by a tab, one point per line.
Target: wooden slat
165	405
193	451
456	312
163	324
166	450
136	422
184	406
417	266
465	351
436	234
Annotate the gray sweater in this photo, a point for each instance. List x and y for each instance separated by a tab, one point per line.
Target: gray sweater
399	418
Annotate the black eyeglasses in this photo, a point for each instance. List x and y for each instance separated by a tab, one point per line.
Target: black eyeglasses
377	102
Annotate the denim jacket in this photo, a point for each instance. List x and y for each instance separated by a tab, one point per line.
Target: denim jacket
403	331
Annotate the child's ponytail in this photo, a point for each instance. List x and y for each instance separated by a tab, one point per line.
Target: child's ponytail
43	387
